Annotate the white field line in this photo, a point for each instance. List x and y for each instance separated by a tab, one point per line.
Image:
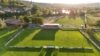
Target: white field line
18	33
7	33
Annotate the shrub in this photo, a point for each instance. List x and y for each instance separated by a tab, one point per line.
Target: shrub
2	24
37	20
98	23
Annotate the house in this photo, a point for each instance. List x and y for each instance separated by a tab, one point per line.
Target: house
50	26
65	11
97	14
13	22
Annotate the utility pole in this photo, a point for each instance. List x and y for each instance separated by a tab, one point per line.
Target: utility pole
85	19
31	3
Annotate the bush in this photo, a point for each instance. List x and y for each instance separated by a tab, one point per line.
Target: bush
91	21
98	23
2	24
88	30
37	20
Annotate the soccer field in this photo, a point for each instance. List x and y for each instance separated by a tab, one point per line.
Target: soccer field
40	37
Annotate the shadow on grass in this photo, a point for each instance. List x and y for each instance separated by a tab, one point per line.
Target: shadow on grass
46	34
24	49
49	52
76	50
20	37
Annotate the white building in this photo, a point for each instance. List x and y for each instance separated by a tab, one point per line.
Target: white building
50	26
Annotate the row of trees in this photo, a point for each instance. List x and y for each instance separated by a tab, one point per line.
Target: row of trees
11	3
38	11
31	19
92	21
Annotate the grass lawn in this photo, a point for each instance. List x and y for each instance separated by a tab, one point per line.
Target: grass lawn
40	37
5	34
74	22
75	54
4	31
50	52
4	37
18	53
85	53
97	35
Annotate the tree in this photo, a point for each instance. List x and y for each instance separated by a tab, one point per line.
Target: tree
39	13
5	1
21	18
45	12
50	12
72	14
98	23
34	9
40	20
26	20
82	15
37	20
91	21
2	24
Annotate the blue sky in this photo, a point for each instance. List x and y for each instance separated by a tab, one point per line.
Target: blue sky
67	1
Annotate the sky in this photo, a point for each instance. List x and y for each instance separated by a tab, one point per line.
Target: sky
66	1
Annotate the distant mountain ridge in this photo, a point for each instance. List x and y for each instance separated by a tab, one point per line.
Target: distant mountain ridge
51	5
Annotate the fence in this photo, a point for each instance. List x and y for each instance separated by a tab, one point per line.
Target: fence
89	37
